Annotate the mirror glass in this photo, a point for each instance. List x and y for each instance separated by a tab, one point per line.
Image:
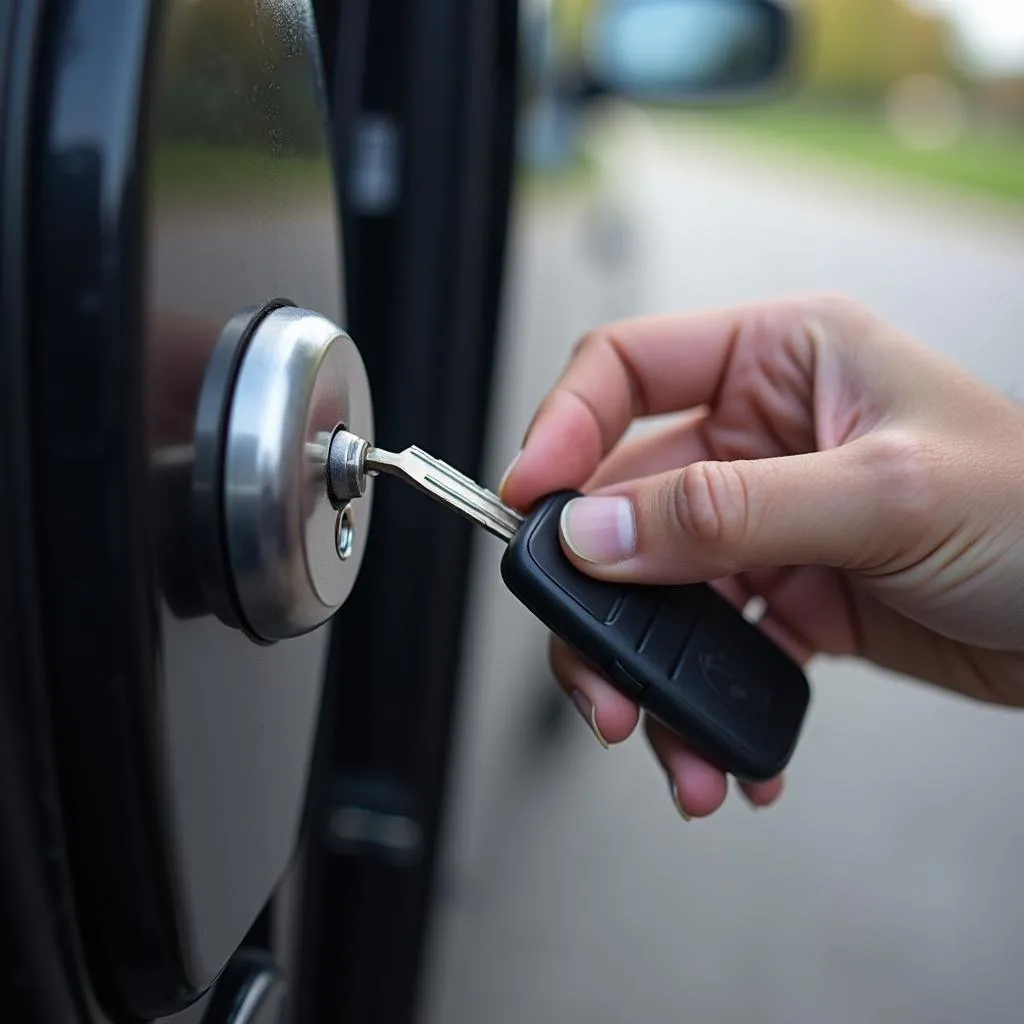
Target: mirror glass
672	49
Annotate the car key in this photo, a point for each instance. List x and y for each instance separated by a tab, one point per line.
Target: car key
682	653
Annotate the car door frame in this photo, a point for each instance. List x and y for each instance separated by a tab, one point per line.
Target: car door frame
424	280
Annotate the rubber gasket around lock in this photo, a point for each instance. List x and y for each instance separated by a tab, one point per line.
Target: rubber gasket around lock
209	532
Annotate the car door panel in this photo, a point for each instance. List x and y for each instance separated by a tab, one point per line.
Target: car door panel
184	174
177	792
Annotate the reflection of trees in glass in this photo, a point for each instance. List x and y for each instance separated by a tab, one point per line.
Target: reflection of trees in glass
239	74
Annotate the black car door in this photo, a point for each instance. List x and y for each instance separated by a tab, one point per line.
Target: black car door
178	799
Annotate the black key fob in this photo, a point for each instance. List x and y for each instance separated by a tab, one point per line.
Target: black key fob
683	653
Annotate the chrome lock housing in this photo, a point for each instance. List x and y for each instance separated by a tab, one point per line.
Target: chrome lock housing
276	554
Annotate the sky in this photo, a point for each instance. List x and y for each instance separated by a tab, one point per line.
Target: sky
992	30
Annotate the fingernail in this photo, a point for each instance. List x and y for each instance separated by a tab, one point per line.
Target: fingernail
674	790
600	530
586	708
508	472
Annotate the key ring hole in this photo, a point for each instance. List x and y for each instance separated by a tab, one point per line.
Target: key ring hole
345	532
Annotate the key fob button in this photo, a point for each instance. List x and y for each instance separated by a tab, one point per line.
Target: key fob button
734	683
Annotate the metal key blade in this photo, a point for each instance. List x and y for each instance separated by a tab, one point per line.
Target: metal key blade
448	486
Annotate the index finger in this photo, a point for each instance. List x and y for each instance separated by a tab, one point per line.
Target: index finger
641	367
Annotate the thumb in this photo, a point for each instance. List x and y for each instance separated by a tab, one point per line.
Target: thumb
716	519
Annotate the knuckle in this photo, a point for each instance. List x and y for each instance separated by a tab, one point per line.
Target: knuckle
711	504
838	302
839	307
908	472
838	319
595	337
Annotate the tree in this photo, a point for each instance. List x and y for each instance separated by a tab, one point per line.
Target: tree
857	49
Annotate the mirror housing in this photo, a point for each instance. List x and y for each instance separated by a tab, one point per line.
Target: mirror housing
671	51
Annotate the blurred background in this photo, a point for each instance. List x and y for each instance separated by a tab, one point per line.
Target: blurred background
888	164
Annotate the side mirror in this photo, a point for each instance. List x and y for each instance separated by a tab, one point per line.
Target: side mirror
677	50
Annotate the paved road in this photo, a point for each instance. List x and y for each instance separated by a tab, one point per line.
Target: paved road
887	887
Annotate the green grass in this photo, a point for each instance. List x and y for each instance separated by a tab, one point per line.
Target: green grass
989	164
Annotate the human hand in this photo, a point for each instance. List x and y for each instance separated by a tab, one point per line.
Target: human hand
868	489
